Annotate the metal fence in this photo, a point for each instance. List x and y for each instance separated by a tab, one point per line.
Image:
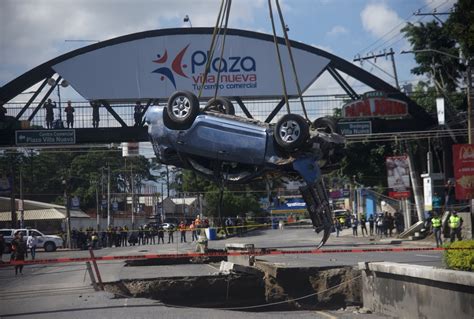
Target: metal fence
317	106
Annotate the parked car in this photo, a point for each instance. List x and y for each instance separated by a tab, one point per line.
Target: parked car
215	142
168	226
49	242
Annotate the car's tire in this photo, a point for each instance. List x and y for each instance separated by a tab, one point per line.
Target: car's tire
220	105
49	246
327	125
291	132
182	108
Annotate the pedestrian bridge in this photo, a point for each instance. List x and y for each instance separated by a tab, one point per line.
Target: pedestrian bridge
149	66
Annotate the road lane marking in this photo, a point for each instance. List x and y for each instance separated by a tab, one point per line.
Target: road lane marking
430	256
326	315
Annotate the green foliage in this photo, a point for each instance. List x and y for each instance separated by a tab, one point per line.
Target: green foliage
443	70
461	27
462	257
44	173
425	96
237	199
366	161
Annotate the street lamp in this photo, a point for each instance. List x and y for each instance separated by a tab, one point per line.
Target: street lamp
64	84
187	19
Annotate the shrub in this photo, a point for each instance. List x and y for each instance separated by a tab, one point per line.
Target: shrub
462	257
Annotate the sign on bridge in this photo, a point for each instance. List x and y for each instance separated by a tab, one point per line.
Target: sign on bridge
45	137
355	128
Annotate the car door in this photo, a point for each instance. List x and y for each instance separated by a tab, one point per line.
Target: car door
39	237
225	139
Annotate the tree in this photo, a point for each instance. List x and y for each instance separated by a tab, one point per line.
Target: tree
460	25
44	171
237	199
443	70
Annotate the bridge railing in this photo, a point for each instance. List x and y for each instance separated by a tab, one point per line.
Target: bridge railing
317	106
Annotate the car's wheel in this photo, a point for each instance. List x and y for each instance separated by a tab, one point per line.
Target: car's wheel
220	105
49	247
326	124
182	108
291	131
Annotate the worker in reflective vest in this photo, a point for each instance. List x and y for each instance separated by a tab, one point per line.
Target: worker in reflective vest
455	224
436	223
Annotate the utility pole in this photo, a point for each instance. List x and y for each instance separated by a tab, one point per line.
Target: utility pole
416	187
434	14
162	206
132	181
14	217
97	204
380	55
470	103
21	205
109	217
68	211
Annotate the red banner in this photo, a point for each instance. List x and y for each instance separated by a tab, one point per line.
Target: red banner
463	159
399	195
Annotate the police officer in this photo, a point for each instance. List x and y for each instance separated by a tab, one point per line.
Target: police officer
455	224
436	224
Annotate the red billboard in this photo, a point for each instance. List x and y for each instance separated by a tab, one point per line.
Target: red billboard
375	104
463	158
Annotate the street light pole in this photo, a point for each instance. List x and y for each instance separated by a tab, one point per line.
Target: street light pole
109	217
97	204
68	211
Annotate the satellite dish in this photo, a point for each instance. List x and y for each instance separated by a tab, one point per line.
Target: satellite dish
64	83
51	81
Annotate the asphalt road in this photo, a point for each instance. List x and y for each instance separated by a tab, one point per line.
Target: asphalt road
64	290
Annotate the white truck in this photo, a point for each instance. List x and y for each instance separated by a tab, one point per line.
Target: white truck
48	242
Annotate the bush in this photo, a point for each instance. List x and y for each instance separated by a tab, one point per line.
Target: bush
462	257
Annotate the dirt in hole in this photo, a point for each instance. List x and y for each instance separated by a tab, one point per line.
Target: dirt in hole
276	288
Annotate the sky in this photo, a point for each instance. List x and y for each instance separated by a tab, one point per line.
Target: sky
36	31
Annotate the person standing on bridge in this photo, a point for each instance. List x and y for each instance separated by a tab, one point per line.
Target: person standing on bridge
49	107
137	113
95	114
69	115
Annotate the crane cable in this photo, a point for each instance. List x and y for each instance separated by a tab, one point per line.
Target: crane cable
211	50
227	11
282	75
293	66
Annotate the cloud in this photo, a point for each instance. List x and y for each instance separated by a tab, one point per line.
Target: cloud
337	30
378	19
34	31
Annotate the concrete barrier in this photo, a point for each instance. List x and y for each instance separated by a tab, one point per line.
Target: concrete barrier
413	291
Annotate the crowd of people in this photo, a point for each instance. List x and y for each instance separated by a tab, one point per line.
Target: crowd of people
387	225
382	225
121	236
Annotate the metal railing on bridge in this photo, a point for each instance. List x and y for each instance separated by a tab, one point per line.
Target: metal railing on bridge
317	106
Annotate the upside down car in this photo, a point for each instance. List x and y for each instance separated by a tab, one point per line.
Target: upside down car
213	141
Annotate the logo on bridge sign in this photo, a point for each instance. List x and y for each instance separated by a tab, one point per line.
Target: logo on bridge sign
234	71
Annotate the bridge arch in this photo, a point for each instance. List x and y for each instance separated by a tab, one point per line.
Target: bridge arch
151	64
